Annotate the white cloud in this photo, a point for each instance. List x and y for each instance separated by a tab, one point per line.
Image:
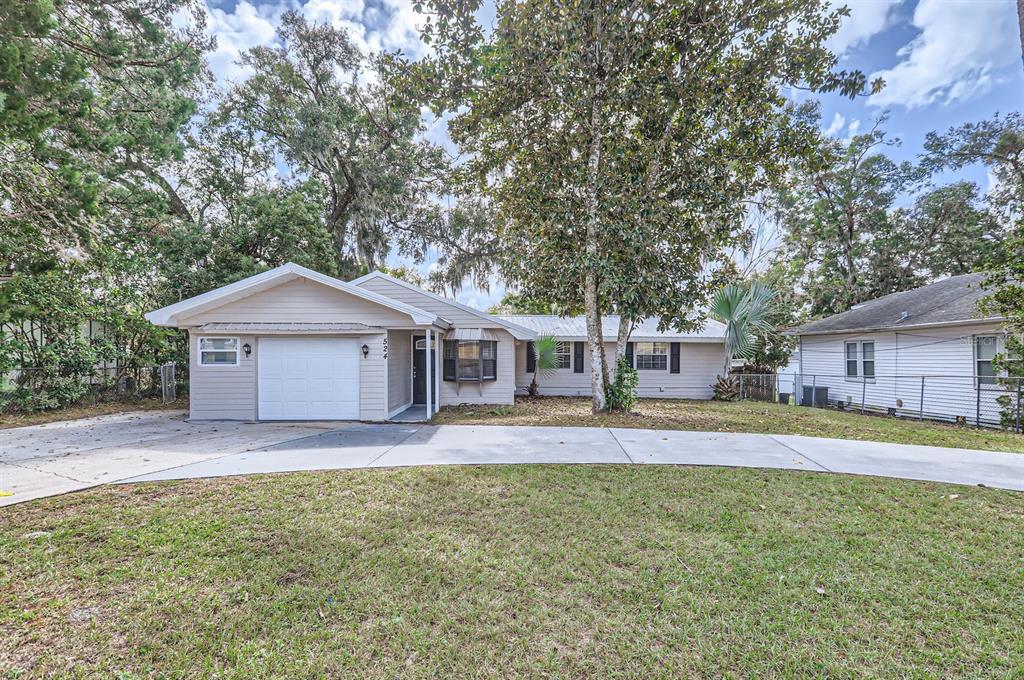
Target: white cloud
237	31
867	19
854	127
962	46
373	25
837	124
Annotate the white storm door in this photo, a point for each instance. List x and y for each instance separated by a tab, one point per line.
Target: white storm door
308	379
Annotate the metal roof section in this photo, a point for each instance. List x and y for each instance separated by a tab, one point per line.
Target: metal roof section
167	316
471	334
575	328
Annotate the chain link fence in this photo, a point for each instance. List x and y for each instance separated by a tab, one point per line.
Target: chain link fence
30	389
981	401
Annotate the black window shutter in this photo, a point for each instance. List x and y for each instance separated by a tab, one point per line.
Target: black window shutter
629	354
531	358
674	358
577	363
451	351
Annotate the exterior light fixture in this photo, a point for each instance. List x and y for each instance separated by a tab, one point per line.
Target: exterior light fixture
366	351
247	348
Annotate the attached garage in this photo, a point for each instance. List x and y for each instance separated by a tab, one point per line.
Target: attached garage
308	379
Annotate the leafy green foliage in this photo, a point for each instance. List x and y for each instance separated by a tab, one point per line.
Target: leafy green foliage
846	241
745	311
545	348
622	389
617	142
309	100
517	303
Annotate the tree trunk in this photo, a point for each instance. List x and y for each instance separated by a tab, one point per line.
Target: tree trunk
598	373
625	329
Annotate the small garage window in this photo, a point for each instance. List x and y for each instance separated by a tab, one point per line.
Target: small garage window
218	351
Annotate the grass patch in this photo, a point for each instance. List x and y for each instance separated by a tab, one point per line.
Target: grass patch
103	408
529	571
741	416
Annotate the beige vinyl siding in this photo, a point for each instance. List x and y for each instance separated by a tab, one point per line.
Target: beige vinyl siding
500	391
222	392
699	363
458	317
301	301
399	369
944	356
373	379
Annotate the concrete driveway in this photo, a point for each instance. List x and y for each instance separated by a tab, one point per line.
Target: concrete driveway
50	459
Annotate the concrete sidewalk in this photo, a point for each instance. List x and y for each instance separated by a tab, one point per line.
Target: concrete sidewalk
46	460
394	445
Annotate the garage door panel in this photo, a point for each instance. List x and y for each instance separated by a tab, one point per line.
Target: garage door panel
308	378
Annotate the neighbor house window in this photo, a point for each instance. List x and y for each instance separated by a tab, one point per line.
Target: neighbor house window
563	355
860	360
851	360
218	351
867	357
471	360
651	356
984	354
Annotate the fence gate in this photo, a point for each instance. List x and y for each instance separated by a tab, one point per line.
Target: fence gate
168	384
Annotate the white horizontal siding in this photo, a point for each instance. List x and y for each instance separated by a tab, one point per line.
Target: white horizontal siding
500	391
373	379
399	369
301	301
222	392
942	357
699	364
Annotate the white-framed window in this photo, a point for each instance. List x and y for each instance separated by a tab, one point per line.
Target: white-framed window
651	356
860	360
218	351
563	355
985	349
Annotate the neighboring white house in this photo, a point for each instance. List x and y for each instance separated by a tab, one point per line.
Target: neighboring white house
888	353
293	344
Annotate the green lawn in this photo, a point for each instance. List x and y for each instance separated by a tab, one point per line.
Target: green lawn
742	416
529	571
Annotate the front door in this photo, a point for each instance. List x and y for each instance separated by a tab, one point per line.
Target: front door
419	371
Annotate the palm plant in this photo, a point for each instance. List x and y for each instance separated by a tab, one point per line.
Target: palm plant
545	349
744	310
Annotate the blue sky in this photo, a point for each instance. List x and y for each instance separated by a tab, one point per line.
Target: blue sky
946	62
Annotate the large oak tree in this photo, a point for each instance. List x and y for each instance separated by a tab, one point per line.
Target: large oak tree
617	141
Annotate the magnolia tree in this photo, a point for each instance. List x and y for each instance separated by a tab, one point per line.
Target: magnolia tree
615	142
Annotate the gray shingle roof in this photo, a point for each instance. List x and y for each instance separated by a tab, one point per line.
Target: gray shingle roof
575	328
952	300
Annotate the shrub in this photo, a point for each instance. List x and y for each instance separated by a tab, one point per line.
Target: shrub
622	390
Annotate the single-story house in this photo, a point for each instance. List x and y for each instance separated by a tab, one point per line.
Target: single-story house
669	364
294	344
926	352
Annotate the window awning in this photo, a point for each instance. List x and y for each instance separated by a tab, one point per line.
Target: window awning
471	334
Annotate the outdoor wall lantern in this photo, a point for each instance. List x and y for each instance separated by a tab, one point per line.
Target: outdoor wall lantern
366	351
247	348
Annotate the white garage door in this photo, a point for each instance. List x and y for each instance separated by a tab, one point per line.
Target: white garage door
308	379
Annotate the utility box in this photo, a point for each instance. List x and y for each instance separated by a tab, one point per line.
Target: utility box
815	396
